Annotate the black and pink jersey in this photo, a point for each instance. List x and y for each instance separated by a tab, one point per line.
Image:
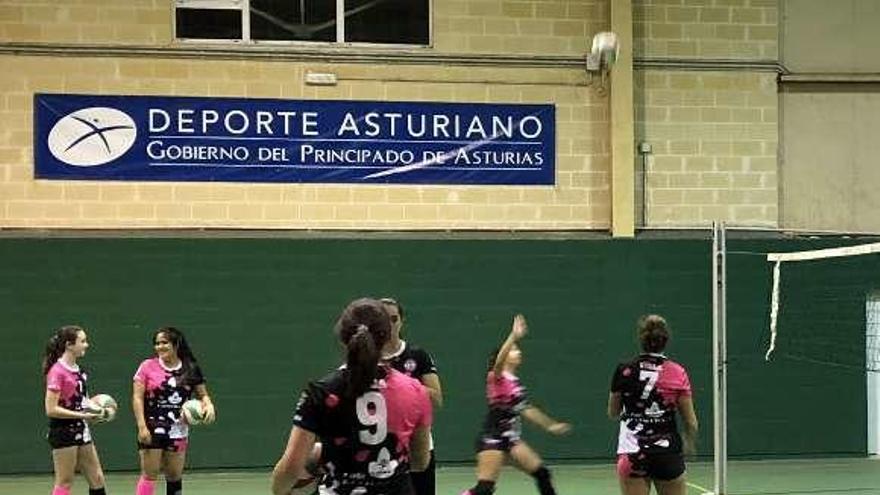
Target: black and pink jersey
507	399
649	388
365	441
415	362
70	384
165	391
412	361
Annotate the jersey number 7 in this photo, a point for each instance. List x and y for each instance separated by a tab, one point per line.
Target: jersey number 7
651	378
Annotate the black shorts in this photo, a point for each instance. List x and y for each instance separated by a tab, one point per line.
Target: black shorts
71	433
497	441
163	442
400	485
658	466
404	488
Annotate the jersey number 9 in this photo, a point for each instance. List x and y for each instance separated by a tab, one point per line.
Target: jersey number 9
373	414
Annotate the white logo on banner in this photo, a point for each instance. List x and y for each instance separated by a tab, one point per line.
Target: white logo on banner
92	136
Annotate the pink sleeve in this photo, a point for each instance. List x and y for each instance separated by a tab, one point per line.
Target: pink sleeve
140	375
673	382
685	384
427	408
54	380
679	382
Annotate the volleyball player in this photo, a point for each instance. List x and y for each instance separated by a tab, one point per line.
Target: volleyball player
161	385
502	430
372	421
415	362
646	393
65	401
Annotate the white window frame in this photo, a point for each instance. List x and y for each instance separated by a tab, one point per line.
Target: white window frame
244	6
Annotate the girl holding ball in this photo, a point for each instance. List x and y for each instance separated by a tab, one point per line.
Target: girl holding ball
162	384
66	406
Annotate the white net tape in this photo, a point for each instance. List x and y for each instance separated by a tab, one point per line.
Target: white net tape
818	254
774	310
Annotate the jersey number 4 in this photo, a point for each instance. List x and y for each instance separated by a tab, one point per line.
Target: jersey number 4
372	413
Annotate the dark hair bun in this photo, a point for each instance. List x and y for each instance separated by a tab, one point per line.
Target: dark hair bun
653	333
654	322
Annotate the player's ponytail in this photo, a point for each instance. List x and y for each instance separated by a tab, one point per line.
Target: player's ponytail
653	333
362	359
363	328
57	344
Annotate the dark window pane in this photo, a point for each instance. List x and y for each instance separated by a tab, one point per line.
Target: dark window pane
210	24
387	21
292	20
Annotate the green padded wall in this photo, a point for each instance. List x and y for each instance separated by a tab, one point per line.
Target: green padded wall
259	314
811	398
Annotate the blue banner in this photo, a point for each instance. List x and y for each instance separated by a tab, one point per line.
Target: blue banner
155	138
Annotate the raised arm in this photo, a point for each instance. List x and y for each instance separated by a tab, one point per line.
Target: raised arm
517	331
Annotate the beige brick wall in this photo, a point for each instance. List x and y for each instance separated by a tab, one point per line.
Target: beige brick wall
714	139
709	29
580	199
538	27
714	134
140	22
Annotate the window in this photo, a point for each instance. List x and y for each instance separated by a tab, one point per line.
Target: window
211	24
394	22
387	21
293	20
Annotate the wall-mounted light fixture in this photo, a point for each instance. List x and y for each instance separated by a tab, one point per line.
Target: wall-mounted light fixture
603	54
321	79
